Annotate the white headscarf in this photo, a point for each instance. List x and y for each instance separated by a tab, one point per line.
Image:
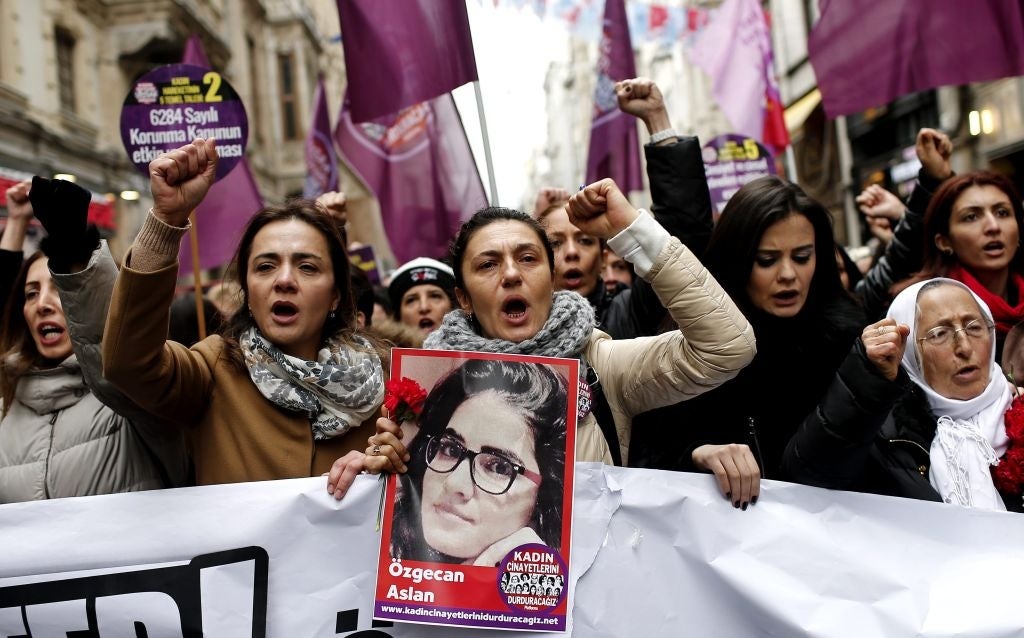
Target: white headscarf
970	436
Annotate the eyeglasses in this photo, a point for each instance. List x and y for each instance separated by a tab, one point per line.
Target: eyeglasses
493	473
943	335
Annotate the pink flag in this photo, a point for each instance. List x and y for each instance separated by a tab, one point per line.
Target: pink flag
402	52
868	53
419	164
614	149
226	208
735	50
321	161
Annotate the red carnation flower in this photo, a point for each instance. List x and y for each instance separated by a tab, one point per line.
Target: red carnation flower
404	399
1008	475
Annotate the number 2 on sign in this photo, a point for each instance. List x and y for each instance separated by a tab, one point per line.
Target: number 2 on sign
213	79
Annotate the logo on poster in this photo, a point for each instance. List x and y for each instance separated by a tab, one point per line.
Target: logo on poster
146	93
532	578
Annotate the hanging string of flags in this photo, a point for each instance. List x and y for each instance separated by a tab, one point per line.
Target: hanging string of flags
663	24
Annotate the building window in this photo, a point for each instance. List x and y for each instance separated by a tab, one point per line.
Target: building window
65	69
289	114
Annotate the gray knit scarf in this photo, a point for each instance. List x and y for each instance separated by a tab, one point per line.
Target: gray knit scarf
564	334
338	391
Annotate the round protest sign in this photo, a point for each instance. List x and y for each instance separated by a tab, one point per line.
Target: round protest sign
730	161
174	104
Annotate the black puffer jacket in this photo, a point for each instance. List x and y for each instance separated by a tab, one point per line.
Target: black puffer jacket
766	402
868	434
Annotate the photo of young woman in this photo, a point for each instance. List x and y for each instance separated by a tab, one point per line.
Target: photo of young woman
486	469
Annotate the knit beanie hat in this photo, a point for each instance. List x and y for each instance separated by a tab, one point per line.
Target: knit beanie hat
417	272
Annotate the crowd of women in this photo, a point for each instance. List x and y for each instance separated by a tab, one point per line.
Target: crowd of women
748	348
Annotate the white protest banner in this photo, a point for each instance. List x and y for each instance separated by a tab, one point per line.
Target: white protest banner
655	554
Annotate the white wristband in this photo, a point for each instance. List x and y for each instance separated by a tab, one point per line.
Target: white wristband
663	135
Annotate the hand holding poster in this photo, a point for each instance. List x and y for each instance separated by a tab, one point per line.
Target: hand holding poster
477	532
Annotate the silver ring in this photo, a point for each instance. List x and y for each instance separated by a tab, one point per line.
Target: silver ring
376	450
881	330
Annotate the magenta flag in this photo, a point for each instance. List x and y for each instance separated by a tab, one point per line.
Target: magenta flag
227	207
321	161
614	148
419	164
402	52
734	50
869	52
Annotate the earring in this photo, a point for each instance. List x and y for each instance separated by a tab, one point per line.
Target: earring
331	315
947	251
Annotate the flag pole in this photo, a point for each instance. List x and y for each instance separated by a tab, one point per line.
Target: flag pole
197	275
487	143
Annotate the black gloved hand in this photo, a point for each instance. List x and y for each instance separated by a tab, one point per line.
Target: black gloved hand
63	210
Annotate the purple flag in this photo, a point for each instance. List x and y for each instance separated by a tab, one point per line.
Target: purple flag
226	208
419	164
614	150
741	71
321	161
402	52
868	53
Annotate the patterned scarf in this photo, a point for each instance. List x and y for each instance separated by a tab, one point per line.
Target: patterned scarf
564	334
338	391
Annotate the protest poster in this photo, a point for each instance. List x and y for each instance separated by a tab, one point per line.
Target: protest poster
174	104
477	532
730	161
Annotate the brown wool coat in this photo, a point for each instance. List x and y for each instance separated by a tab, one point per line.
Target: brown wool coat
234	433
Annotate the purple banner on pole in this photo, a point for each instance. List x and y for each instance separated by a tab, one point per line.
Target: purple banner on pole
419	164
321	160
730	161
870	52
614	148
402	52
226	208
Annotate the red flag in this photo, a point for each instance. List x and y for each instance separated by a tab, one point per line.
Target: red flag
868	53
403	52
226	208
658	17
419	164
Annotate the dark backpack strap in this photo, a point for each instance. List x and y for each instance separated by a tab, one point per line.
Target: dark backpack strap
603	413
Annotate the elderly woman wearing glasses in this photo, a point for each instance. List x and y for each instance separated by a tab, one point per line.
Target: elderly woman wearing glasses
499	426
917	409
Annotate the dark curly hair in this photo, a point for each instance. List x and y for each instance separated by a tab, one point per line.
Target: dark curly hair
485	217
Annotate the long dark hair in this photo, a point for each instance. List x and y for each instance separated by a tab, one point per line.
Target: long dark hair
535	391
940	210
737	235
18	353
343	324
